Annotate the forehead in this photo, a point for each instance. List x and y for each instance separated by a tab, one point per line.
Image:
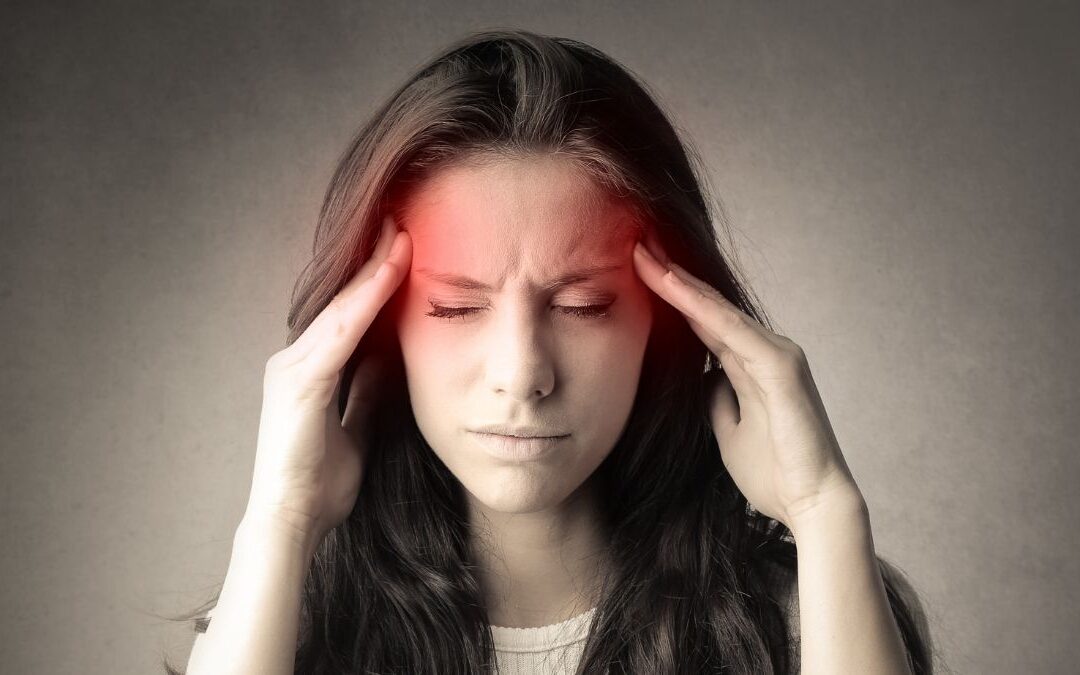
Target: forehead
540	210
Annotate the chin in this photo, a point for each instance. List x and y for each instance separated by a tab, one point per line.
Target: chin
511	491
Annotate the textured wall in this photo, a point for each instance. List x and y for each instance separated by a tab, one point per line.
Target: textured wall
902	181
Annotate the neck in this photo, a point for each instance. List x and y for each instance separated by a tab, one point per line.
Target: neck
543	567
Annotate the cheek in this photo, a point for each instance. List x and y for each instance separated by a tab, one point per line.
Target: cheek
625	353
605	365
414	331
423	361
628	334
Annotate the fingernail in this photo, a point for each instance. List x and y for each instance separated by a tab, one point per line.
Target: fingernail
640	248
679	272
398	242
655	250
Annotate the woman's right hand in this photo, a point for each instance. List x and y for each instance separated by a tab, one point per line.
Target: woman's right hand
309	463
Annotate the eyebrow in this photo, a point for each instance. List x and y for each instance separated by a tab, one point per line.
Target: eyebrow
469	284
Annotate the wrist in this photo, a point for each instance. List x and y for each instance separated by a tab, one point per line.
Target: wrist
839	507
263	528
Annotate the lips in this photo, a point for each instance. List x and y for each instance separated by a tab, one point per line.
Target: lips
518	449
520	431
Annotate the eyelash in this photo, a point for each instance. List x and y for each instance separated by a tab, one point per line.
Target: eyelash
582	311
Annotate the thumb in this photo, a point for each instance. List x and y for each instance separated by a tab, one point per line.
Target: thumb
723	404
363	390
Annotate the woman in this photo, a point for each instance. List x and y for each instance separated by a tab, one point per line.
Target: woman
491	263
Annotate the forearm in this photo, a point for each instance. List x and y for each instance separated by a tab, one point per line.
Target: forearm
845	621
254	626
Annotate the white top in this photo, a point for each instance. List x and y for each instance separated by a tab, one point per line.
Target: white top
554	649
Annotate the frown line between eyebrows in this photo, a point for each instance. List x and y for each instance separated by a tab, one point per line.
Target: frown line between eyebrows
470	284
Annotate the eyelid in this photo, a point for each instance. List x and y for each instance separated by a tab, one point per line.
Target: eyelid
591	310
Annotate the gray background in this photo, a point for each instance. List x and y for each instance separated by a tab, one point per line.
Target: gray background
902	179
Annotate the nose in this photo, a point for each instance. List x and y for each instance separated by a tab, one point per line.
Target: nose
519	362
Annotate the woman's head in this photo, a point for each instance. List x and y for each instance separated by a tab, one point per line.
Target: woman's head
521	309
515	98
513	158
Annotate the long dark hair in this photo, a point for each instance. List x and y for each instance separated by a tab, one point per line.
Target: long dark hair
700	581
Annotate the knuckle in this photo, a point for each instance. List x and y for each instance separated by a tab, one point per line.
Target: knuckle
276	363
793	350
732	320
298	386
789	359
281	370
794	360
701	300
700	296
274	377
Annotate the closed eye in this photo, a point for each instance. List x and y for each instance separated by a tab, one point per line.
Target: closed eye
583	311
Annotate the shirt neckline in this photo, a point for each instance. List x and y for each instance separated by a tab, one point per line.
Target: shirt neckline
542	638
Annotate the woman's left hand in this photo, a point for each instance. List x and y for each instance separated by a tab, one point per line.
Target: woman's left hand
770	423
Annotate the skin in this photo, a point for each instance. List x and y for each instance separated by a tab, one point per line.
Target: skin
778	444
521	357
516	224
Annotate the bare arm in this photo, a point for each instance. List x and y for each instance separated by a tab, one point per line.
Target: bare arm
845	622
309	463
254	625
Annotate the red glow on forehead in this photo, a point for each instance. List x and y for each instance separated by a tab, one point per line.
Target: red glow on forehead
574	277
543	221
476	260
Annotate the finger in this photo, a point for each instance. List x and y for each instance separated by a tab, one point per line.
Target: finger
690	279
653	246
383	244
303	345
725	324
337	330
723	405
362	392
750	393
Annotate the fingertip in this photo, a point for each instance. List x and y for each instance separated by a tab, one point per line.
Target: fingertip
381	247
392	267
642	252
651	242
398	245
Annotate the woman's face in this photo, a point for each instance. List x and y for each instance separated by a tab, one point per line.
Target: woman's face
513	345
